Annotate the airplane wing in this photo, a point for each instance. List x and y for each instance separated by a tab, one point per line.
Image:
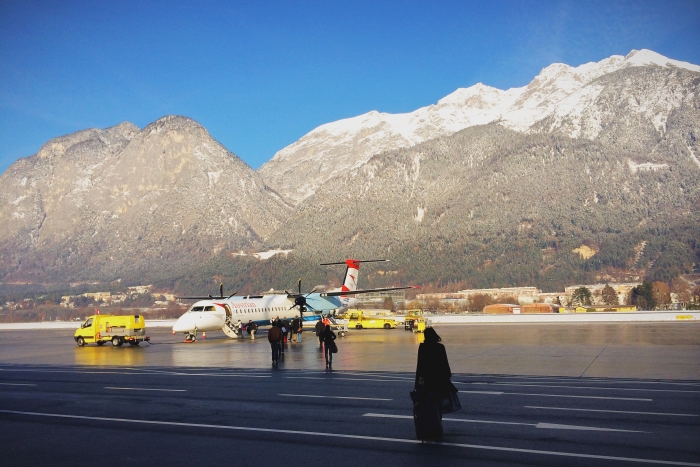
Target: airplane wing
354	292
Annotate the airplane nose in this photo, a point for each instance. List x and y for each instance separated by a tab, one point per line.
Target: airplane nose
180	326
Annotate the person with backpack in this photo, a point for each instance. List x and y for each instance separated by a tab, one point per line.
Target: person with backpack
251	327
283	330
329	345
320	327
274	336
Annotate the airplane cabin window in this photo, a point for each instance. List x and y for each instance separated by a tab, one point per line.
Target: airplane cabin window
209	308
197	308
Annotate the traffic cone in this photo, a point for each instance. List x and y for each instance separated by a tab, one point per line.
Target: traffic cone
204	335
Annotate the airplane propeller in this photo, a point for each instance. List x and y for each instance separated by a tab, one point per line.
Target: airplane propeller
300	299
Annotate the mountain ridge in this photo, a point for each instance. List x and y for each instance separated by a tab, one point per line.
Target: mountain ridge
335	147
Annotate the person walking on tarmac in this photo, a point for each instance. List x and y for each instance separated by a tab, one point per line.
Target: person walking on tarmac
300	329
433	370
283	330
251	327
295	328
274	336
288	326
320	327
329	345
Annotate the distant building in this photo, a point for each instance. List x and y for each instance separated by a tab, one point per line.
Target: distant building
398	297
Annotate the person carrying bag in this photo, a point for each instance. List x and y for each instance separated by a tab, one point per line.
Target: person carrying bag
433	394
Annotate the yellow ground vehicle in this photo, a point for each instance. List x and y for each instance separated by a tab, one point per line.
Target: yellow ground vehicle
359	320
415	321
117	329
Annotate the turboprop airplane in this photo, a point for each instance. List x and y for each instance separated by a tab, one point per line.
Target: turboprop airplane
220	313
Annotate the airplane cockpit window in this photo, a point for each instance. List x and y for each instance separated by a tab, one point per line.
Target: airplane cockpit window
209	308
197	308
87	323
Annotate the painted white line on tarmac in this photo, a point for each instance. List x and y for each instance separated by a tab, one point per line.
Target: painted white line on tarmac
556	426
360	437
17	384
483	392
448	419
145	389
536	425
585	387
565	379
345	379
581	397
337	397
137	371
612	411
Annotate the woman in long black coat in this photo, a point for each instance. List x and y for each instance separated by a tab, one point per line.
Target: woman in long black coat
433	369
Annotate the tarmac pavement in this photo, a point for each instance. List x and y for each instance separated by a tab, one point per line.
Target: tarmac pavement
219	401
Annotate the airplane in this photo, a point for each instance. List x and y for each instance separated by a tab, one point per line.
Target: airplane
220	313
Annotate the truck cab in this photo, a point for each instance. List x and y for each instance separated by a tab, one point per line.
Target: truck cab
415	321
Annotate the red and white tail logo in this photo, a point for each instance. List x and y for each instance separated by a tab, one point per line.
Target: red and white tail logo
352	273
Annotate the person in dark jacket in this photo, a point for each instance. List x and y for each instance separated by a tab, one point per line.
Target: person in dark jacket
283	327
274	336
295	328
433	370
328	338
250	328
320	327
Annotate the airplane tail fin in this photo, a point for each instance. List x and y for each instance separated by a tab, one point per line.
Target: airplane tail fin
352	273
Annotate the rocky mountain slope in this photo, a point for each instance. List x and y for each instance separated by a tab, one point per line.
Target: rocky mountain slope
493	205
560	97
487	188
120	202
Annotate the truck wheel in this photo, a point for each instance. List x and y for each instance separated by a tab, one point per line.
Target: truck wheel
359	326
387	326
80	341
100	342
133	342
116	342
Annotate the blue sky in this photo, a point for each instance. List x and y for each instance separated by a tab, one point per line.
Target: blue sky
259	75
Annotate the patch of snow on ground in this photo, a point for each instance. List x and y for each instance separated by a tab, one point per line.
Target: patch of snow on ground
634	167
692	154
269	254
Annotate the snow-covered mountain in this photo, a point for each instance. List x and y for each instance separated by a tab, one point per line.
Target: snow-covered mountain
561	95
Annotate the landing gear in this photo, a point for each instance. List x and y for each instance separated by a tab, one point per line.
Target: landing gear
191	336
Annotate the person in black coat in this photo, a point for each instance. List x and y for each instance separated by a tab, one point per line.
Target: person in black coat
433	370
328	338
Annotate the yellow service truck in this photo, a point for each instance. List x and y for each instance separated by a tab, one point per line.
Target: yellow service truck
359	320
415	321
117	329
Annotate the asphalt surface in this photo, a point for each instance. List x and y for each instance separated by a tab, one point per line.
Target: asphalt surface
629	350
161	416
219	401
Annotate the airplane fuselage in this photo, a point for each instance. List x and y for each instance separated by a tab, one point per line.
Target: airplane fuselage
211	315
